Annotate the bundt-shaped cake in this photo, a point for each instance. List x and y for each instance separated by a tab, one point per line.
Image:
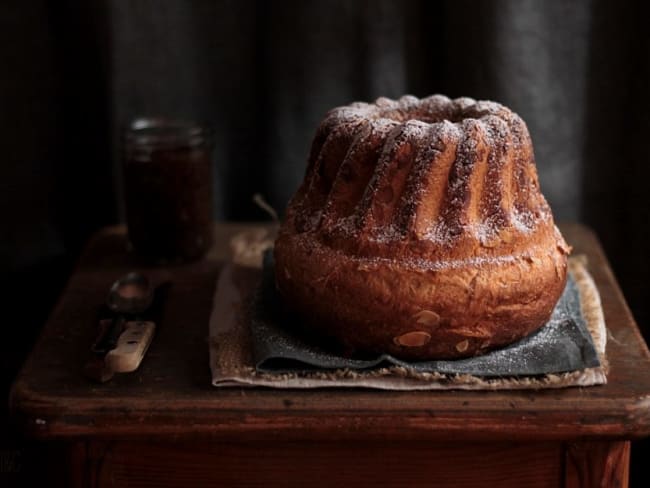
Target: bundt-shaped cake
420	231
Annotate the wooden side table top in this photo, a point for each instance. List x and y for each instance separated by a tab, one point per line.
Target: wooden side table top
170	395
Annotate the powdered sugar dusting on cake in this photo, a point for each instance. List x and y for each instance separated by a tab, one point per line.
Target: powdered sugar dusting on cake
488	207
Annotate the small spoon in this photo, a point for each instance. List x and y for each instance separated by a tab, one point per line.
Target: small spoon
131	294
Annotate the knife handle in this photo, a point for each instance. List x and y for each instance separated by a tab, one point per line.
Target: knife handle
131	346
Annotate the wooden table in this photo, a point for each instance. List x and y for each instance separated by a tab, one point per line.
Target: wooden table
164	425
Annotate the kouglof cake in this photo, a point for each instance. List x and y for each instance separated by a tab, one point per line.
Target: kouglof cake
420	231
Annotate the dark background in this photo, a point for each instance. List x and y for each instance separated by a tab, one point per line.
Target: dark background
263	74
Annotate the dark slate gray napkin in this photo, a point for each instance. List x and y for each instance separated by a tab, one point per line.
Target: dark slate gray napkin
563	344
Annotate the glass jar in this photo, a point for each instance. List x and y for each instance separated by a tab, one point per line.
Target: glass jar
168	189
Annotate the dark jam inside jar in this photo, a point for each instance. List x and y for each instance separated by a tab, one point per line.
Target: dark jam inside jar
168	186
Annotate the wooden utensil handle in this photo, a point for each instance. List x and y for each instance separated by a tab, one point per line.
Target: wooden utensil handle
131	346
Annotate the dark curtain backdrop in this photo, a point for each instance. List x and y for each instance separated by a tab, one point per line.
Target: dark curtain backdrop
263	73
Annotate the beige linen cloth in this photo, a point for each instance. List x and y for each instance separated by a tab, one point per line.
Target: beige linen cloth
232	364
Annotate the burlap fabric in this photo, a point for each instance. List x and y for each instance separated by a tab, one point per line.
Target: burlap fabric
232	363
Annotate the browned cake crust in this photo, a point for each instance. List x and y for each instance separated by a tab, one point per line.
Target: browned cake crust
420	230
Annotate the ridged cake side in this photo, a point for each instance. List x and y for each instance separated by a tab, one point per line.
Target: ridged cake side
429	174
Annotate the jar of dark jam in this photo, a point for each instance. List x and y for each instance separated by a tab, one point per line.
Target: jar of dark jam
168	188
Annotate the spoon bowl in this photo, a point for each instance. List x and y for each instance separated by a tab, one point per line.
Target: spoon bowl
131	294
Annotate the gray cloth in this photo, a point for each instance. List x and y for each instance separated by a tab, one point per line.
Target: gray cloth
563	344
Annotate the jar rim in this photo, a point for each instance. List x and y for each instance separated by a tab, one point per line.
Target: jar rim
166	132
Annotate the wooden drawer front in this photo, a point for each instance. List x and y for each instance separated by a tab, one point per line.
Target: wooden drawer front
325	464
